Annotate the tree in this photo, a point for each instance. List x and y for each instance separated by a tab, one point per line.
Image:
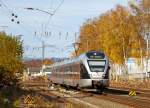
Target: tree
48	61
115	32
141	10
11	52
141	18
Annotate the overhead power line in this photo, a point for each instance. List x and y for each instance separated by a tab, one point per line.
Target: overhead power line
55	10
14	17
30	8
3	4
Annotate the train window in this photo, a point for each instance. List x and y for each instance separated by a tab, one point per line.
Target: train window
97	66
67	69
75	67
47	69
58	69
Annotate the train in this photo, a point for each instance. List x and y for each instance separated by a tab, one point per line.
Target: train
89	70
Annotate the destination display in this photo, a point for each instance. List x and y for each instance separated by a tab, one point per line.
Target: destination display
95	55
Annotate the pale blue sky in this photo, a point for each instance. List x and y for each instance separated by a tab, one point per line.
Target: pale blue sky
68	18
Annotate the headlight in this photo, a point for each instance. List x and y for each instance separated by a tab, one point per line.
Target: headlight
104	75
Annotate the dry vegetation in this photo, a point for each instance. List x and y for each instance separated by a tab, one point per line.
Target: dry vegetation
16	98
12	97
41	102
131	84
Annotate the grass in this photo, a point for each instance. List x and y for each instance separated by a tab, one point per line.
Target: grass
4	99
16	103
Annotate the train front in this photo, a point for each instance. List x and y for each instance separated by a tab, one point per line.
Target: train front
97	66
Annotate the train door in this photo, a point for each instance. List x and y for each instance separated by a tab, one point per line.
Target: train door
75	74
84	73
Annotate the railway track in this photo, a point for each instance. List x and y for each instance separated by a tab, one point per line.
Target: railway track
141	100
113	96
121	96
139	92
88	99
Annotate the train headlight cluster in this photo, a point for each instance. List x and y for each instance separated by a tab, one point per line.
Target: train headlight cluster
94	75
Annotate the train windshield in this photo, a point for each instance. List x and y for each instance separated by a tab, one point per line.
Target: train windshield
97	66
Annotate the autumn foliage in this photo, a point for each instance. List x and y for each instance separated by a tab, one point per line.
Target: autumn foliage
10	59
117	32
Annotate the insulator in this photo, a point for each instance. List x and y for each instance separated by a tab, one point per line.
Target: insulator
13	14
59	33
50	33
12	20
35	33
18	22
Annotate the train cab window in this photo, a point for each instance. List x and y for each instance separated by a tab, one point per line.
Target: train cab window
97	65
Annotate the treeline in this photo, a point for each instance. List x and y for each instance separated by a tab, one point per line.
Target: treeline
37	63
118	32
11	53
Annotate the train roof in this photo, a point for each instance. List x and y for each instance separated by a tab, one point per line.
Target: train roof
76	59
71	60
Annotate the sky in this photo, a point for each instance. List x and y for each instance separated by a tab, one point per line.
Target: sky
57	31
